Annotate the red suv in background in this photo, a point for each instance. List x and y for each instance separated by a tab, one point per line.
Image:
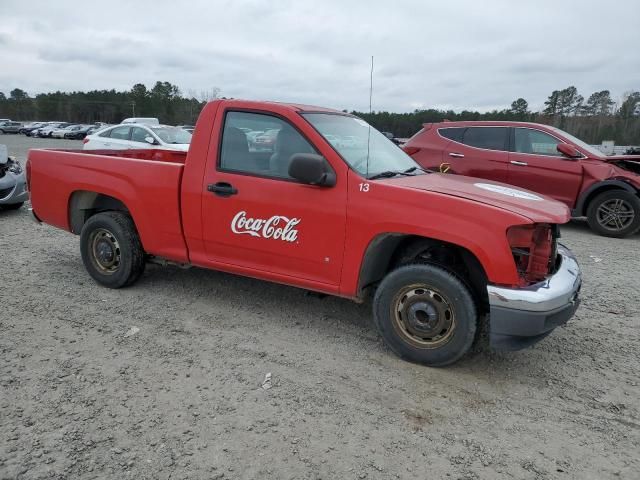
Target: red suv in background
540	158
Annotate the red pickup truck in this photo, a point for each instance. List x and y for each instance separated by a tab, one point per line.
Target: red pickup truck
605	189
348	218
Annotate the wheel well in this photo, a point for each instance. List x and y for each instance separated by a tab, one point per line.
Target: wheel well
390	251
84	204
597	190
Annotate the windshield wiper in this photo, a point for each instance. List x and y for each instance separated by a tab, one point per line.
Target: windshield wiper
413	169
392	173
386	174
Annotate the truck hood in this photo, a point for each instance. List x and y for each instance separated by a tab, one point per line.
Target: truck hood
536	207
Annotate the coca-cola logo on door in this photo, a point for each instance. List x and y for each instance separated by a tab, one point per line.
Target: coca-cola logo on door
277	227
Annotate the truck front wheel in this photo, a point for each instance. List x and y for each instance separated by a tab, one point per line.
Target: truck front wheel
111	249
425	314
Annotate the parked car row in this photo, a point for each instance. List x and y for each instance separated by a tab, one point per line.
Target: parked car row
139	133
60	130
159	136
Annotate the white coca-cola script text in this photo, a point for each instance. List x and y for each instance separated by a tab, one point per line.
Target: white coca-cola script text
277	227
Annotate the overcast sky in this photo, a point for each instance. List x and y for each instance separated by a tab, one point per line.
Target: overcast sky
466	54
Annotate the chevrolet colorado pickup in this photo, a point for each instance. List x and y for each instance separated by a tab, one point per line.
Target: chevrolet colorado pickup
439	253
541	158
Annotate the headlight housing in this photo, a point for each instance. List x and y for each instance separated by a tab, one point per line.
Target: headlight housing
534	249
14	166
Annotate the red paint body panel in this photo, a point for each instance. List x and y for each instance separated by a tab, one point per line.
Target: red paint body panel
179	219
563	179
150	189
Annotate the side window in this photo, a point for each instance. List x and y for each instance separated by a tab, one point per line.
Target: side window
490	138
139	134
121	133
260	144
535	142
454	134
106	133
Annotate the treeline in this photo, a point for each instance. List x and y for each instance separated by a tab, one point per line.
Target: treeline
593	119
164	101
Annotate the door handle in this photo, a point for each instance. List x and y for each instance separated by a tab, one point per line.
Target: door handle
456	155
222	189
522	164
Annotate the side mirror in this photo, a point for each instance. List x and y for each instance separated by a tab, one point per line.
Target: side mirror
150	140
568	151
312	169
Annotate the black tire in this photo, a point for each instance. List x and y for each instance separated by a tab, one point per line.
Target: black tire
111	249
410	310
12	206
614	213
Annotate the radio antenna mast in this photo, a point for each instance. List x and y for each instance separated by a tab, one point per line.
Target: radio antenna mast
370	112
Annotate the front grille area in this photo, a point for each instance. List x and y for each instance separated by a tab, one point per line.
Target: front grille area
4	192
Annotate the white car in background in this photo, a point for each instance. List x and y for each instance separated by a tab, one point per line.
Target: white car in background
60	132
138	135
47	130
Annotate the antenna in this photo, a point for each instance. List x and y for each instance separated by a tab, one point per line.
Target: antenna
370	112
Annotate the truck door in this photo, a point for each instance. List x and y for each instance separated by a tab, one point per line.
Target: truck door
536	164
256	217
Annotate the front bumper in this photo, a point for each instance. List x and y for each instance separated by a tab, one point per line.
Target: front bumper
519	317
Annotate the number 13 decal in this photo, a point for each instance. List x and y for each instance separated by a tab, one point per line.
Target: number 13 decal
364	187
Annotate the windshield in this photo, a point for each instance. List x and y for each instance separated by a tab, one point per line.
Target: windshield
363	147
585	146
172	134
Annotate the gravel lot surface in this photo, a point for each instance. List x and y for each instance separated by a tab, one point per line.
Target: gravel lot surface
82	396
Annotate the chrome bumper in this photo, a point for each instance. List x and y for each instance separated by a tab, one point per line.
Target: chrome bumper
522	316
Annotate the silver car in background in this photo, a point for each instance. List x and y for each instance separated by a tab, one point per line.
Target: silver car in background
13	182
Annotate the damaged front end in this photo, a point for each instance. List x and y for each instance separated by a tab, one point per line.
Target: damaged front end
13	185
628	163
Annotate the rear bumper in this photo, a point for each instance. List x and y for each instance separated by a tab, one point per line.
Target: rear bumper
521	317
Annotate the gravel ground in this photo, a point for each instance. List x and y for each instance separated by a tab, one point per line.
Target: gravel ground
81	397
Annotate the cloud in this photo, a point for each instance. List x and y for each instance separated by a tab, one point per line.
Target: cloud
461	55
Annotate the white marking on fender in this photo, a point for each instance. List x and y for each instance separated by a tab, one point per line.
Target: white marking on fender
510	192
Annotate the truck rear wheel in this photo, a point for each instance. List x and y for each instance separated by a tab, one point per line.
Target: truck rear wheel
425	314
111	249
615	213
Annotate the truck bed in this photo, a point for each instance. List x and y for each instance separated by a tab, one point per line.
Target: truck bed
146	181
